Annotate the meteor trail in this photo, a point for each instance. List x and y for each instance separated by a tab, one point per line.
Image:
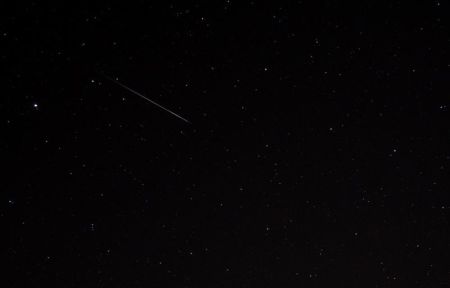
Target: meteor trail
142	96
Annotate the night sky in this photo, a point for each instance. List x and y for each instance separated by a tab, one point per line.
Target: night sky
318	153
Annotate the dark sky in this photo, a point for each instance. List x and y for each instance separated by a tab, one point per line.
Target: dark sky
318	154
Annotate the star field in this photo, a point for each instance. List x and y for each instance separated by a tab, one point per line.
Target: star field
318	153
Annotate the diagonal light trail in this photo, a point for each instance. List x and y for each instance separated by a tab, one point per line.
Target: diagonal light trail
143	97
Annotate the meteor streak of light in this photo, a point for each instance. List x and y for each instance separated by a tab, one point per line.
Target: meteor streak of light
142	96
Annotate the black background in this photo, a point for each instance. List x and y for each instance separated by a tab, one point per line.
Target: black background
318	154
